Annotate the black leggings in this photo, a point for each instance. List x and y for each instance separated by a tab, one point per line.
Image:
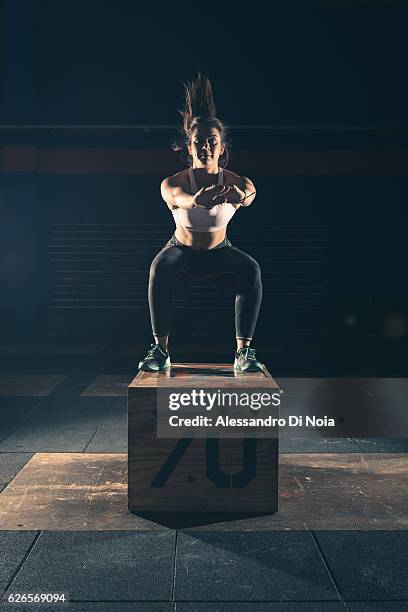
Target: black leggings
223	259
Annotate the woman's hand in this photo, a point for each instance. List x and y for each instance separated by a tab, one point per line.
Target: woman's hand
208	197
231	194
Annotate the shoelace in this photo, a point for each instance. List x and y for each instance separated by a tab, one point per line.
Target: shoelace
249	352
153	348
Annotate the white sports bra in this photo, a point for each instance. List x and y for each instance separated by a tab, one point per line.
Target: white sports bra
202	219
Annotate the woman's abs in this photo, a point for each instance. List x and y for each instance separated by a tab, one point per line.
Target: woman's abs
199	240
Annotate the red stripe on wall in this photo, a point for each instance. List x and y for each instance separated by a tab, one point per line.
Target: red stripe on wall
163	162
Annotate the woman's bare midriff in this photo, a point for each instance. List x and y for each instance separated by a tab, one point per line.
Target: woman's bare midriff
200	240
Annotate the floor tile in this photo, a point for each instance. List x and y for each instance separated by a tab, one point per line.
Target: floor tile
384	387
109	384
14	546
235	606
14	410
73	491
367	565
65	424
51	349
383	445
33	438
66	408
93	606
378	606
48	421
244	566
254	522
23	405
331	386
38	385
103	565
316	491
119	404
11	464
345	490
109	441
114	419
317	444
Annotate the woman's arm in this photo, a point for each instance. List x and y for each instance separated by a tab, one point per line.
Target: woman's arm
249	190
241	193
175	195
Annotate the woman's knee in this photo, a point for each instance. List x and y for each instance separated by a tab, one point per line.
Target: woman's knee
251	273
256	270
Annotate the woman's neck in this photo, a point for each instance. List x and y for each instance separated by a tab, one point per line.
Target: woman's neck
203	171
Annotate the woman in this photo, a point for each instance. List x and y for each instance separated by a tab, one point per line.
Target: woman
203	198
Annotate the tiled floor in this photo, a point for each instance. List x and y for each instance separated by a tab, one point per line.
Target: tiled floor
89	491
73	403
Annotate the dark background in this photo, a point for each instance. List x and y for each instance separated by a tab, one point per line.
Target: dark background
316	98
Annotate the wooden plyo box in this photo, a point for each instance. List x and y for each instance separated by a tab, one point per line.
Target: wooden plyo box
198	474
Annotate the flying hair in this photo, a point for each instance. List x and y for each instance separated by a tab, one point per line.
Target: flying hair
199	109
198	101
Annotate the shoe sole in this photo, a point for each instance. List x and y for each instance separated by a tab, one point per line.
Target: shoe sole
251	368
146	368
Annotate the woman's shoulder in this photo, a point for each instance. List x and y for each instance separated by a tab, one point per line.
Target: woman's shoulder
178	179
230	177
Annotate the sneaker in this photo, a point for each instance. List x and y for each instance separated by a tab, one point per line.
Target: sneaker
246	361
157	359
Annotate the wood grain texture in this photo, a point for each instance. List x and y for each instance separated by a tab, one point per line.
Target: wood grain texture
327	491
204	375
197	475
202	480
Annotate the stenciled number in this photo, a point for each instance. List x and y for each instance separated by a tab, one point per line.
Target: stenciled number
213	470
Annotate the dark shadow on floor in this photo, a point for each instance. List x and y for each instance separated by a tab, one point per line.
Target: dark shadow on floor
184	520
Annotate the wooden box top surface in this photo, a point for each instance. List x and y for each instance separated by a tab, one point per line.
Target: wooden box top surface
203	375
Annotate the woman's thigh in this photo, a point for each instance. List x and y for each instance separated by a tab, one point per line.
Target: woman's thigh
167	262
230	260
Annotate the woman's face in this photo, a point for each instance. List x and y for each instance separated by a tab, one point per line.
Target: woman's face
205	146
